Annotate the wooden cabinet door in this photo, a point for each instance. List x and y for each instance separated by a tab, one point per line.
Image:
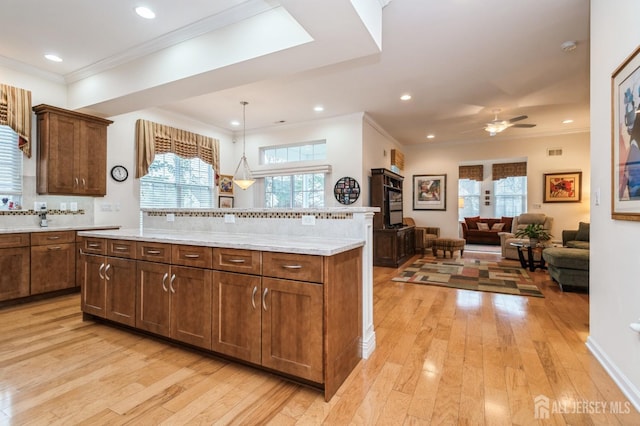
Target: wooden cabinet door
292	327
93	300
91	151
53	267
190	290
60	153
120	287
14	279
237	315
152	294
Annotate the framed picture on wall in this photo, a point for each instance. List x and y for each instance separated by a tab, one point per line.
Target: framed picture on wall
625	142
430	192
563	187
225	202
225	185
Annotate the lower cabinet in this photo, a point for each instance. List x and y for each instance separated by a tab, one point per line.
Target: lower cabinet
14	279
392	247
53	261
175	302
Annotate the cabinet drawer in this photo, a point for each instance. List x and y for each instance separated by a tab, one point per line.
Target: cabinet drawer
121	248
14	240
93	245
154	252
301	267
196	256
52	237
236	260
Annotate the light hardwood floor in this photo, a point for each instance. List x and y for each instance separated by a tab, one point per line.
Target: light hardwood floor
443	356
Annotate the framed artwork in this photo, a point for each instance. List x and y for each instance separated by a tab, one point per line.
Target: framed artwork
563	187
430	192
225	185
346	190
625	140
225	202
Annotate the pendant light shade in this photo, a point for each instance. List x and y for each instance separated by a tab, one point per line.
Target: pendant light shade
242	176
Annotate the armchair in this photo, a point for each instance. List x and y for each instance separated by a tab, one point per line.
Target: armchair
519	222
425	235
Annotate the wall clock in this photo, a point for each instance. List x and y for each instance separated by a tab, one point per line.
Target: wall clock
119	173
346	190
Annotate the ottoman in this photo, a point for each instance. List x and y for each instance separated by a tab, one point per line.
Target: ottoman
448	245
568	266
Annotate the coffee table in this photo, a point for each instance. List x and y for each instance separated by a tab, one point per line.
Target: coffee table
530	262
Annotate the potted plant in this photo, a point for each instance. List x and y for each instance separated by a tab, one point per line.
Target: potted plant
535	232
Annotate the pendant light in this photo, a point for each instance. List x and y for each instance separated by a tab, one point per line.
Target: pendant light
242	176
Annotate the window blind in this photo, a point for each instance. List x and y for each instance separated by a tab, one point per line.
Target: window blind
10	162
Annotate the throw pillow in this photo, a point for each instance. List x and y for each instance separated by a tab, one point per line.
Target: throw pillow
472	222
483	226
497	227
583	232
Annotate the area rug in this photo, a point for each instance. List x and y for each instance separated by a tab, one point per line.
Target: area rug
471	274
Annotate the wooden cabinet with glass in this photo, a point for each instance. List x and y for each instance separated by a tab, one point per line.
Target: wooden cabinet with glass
72	152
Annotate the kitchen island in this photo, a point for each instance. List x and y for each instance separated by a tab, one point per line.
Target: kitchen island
287	304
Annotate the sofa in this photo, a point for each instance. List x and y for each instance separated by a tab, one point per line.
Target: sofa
520	222
569	265
480	230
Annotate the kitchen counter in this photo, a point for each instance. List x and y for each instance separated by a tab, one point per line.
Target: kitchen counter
19	230
262	242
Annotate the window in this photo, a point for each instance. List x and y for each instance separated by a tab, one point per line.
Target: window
10	168
302	184
469	192
294	191
510	196
286	154
176	182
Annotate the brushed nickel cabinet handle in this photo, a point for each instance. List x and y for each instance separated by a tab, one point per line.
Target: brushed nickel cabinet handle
106	272
93	245
264	298
55	237
236	260
54	248
84	183
153	251
292	266
164	280
100	271
253	297
192	256
173	278
119	248
76	179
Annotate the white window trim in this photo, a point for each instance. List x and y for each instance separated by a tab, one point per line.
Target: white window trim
294	168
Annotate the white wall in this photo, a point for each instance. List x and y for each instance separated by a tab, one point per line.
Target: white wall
445	159
344	140
614	285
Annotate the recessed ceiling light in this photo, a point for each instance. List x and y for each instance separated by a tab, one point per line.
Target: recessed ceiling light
567	121
53	58
431	136
405	97
145	12
235	123
318	108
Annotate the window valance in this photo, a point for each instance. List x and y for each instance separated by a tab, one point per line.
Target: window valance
471	172
505	170
15	112
152	138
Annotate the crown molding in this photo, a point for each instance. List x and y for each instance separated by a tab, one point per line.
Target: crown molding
31	70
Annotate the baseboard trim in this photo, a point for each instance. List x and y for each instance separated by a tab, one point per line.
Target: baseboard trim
368	346
628	389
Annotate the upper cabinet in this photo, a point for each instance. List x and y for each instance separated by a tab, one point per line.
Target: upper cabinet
72	152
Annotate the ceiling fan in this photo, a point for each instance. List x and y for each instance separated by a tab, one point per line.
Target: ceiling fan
496	126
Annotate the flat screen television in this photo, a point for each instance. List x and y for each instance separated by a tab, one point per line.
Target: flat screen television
394	200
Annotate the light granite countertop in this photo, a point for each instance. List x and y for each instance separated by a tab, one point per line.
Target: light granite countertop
23	229
263	242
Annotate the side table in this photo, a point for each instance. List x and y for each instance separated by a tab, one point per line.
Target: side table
530	262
